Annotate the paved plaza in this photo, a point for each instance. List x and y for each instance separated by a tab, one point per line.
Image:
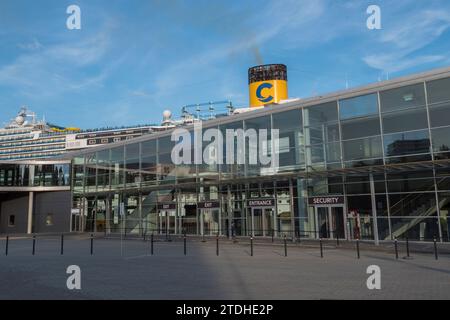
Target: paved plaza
127	270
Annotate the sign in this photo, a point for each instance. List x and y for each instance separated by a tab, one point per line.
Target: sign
75	211
323	201
261	203
209	205
167	206
122	209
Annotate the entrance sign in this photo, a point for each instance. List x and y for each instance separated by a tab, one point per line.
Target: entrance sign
321	201
261	203
209	205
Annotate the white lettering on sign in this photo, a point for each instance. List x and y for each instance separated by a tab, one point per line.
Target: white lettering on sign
326	200
268	202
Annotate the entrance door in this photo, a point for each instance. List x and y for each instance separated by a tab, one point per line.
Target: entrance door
262	222
209	221
75	221
330	222
166	222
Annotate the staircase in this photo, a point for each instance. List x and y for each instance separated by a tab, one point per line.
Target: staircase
150	202
419	214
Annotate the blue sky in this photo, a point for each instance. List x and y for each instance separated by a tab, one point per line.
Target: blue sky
133	59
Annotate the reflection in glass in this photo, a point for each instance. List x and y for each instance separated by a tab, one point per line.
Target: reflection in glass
402	98
358	107
415	142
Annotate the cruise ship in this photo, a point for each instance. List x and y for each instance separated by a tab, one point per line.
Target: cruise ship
25	137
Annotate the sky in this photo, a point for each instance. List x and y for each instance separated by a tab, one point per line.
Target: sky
133	59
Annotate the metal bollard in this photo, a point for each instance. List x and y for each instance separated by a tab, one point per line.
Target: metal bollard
151	244
251	246
7	245
185	244
285	246
34	245
337	240
435	249
396	248
272	234
62	244
217	245
357	248
321	247
92	244
407	247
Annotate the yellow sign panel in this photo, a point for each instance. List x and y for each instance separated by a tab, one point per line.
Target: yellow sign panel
266	92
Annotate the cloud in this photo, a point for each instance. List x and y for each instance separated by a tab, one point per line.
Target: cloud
53	69
398	48
31	46
278	18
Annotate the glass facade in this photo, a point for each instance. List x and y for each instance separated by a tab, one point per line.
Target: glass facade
371	166
34	175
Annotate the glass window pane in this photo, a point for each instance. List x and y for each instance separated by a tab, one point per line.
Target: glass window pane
333	152
440	115
415	142
132	151
362	149
406	120
402	98
149	147
290	121
359	106
439	90
320	114
362	127
441	139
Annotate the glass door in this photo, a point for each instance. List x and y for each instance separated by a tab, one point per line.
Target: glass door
262	222
337	215
330	222
257	222
323	222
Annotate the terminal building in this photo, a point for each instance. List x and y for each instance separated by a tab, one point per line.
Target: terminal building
369	163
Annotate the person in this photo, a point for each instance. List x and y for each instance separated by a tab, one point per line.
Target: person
233	230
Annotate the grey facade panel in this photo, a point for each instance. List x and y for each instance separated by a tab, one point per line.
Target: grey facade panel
52	212
18	208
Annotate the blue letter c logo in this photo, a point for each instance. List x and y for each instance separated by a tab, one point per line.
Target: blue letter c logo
259	92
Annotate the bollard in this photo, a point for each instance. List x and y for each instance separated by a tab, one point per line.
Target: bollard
184	243
151	244
92	244
145	236
321	247
285	246
337	240
203	237
34	245
357	249
407	248
7	245
251	246
435	249
272	234
396	248
62	244
217	245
